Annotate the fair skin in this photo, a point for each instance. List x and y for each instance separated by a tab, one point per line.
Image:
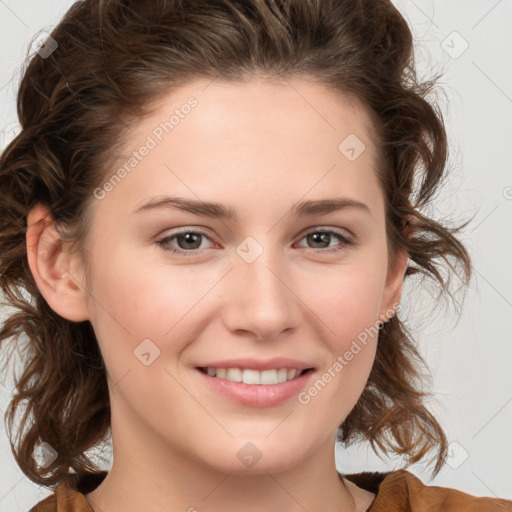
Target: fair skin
260	148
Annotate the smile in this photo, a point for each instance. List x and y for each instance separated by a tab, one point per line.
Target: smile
255	388
254	377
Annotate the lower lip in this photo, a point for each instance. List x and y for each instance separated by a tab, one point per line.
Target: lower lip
257	395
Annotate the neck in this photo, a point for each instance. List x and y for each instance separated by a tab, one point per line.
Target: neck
159	477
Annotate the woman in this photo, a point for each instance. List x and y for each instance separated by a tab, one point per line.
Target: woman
206	223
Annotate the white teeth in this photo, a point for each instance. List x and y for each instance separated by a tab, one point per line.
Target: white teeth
292	374
250	376
282	375
234	374
269	376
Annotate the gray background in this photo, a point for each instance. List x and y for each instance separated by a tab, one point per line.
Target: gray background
470	357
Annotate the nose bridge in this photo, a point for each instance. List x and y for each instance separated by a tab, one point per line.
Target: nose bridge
262	300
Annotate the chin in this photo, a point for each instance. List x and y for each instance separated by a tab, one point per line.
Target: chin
254	456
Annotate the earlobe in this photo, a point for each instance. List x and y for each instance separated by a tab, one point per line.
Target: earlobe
56	271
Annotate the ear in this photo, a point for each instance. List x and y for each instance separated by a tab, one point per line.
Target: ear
57	272
395	277
393	287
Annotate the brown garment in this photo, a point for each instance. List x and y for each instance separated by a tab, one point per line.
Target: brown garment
396	491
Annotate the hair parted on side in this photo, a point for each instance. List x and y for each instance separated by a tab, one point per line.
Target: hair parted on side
114	59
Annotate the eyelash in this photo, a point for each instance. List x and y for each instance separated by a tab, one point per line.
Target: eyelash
344	238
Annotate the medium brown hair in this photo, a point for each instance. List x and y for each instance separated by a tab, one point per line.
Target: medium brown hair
76	107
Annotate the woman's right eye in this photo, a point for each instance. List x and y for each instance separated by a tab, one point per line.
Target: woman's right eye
187	239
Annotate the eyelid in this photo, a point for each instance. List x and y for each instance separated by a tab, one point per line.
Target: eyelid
339	231
346	238
163	241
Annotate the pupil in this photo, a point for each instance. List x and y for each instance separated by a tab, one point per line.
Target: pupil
320	238
189	239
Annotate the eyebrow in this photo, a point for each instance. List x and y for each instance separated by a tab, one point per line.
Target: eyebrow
219	211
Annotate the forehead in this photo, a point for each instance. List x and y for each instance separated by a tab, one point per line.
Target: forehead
274	138
259	103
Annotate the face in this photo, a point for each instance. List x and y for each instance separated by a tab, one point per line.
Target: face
287	282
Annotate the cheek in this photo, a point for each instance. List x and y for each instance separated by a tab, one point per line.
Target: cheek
348	304
347	301
350	336
136	299
139	295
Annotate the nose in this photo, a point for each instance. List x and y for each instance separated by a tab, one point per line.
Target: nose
261	297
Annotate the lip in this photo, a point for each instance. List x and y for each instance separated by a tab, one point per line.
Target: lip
257	395
258	364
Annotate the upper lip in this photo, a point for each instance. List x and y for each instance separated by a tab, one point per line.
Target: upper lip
258	364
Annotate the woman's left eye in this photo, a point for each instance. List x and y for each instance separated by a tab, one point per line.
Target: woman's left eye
189	242
324	235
